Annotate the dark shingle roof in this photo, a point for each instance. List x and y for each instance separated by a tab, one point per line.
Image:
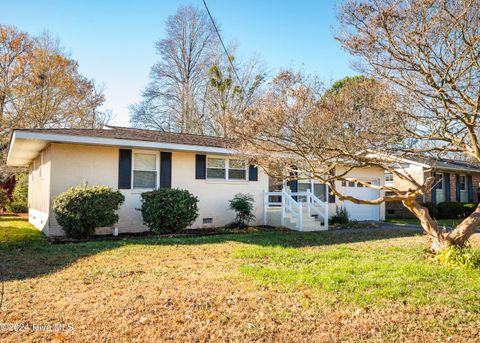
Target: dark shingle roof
448	164
116	132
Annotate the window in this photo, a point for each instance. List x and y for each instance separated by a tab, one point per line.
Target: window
226	169
303	186
463	183
319	189
388	179
216	168
439	181
348	183
237	170
145	170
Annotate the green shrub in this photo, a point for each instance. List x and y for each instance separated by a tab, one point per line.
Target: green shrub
450	209
340	217
168	210
19	203
432	209
81	209
459	257
4	200
242	204
468	208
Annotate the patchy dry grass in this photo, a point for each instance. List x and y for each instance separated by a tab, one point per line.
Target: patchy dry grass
369	285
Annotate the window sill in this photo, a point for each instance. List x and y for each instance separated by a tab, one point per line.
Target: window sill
223	181
141	190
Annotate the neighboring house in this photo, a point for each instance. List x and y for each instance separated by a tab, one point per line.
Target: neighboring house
135	161
456	181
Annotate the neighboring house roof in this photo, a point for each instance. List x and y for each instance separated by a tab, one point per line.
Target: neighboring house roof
445	164
25	144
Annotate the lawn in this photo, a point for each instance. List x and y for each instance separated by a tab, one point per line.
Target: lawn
442	222
350	286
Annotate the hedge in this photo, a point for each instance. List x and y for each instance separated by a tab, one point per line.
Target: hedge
450	209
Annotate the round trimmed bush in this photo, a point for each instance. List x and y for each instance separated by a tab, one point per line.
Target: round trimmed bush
168	210
450	209
81	209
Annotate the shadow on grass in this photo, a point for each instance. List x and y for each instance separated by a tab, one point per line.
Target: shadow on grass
25	253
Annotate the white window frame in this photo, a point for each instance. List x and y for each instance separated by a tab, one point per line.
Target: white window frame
388	177
227	167
439	185
464	183
157	165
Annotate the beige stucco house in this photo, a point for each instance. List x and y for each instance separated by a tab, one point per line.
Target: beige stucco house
135	161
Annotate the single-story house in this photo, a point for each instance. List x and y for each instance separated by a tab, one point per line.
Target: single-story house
135	160
456	181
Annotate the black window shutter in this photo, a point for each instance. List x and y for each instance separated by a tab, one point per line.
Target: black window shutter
470	188
165	169
446	177
252	173
457	188
200	167
125	169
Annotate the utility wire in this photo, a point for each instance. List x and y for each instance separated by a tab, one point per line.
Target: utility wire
223	44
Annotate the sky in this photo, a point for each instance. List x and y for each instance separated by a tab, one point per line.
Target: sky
113	41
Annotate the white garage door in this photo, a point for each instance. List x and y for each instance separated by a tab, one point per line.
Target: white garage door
361	212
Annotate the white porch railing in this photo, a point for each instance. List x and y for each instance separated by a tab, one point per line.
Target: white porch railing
294	208
318	206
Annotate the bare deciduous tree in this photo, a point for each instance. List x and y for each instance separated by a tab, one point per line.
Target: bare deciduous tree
179	79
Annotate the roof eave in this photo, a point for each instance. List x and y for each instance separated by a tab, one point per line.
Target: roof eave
89	140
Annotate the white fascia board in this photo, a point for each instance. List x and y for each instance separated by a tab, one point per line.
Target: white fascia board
62	138
10	147
398	160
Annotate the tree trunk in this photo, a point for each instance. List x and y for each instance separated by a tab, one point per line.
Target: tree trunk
428	224
441	240
460	235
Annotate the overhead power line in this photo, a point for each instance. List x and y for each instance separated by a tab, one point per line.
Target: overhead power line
223	44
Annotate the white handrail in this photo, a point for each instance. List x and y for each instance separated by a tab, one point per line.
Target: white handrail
323	204
289	201
290	205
